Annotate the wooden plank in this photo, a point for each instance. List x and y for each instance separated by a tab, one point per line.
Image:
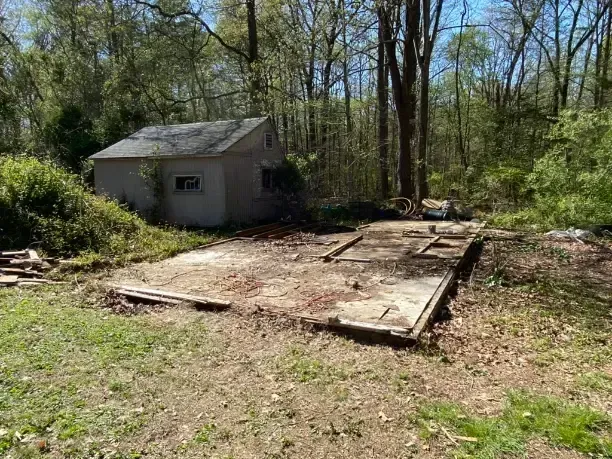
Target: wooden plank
25	262
205	301
274	231
291	232
359	260
14	253
432	236
427	246
401	332
32	281
218	242
434	256
9	280
23	272
143	296
33	255
259	229
36	281
342	247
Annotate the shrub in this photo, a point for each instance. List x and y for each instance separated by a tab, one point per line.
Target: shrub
40	201
571	183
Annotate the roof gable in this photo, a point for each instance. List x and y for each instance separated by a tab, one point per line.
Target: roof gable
210	138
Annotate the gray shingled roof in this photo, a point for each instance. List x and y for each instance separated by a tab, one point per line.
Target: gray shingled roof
211	138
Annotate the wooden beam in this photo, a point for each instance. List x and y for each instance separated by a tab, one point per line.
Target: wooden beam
14	253
341	248
259	229
427	246
23	272
299	229
359	260
431	236
274	231
401	332
9	280
143	296
437	299
218	242
204	301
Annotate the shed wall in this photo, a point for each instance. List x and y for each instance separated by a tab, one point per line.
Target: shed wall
205	208
120	179
246	199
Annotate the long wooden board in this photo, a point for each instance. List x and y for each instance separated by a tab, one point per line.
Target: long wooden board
341	248
144	296
202	300
259	229
274	231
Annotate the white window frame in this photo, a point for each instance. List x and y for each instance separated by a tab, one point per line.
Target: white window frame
265	143
175	176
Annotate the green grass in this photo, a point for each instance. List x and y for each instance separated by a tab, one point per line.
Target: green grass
203	435
596	381
149	243
525	416
305	369
63	369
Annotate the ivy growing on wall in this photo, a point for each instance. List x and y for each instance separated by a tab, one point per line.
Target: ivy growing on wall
151	173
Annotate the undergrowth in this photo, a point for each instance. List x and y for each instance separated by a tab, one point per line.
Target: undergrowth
44	204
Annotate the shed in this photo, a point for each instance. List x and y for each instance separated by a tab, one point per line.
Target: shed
210	173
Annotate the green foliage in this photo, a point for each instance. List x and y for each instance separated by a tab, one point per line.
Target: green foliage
501	183
69	133
151	172
42	202
571	182
287	176
525	416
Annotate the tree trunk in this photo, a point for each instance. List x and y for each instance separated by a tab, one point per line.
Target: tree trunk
382	83
402	83
422	185
253	62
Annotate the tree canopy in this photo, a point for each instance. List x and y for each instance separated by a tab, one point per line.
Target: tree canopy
371	98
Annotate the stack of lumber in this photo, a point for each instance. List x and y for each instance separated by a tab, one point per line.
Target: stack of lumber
23	267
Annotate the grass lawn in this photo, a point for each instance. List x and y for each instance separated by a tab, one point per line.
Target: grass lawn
522	369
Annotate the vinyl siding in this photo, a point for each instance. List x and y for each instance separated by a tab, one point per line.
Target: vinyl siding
246	201
121	180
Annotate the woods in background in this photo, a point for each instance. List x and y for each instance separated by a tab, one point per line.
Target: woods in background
370	98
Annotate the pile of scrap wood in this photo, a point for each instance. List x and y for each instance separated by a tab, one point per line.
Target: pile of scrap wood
23	267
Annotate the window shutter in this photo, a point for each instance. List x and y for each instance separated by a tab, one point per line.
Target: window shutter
268	141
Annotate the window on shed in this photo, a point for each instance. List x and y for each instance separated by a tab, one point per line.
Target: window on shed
268	141
187	183
266	179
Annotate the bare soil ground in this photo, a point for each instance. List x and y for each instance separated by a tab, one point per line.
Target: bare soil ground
521	367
